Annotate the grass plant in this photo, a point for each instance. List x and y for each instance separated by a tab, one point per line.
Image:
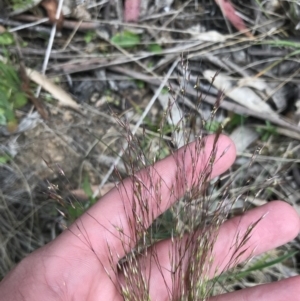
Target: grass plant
192	224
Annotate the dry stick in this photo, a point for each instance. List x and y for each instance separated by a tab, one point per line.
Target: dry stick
225	104
71	36
287	80
191	48
89	25
24	26
50	44
127	54
20	25
96	24
172	18
147	109
89	6
95	63
277	62
229	106
161	98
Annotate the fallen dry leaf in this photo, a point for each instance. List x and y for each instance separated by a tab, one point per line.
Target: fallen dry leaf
63	97
243	136
51	7
132	10
26	88
230	13
242	95
2	29
209	36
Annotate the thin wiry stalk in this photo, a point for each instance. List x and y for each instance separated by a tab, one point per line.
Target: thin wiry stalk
192	224
196	218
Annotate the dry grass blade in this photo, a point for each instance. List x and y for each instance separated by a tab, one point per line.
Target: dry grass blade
63	97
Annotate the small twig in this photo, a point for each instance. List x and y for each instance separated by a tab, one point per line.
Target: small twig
71	35
50	44
28	25
20	25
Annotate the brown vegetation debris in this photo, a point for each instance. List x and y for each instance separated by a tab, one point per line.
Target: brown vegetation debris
51	8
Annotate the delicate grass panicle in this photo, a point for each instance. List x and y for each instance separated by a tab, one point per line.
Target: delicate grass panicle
192	224
189	227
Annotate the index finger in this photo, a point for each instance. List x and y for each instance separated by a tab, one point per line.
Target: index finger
121	216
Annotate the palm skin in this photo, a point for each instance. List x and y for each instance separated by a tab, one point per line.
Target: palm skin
76	265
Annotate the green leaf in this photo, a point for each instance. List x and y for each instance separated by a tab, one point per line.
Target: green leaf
126	39
212	126
6	38
236	120
24	44
2	117
261	265
9	76
164	91
21	4
140	84
258	266
9	114
11	95
86	186
4	159
267	131
89	36
155	48
20	100
4	101
74	212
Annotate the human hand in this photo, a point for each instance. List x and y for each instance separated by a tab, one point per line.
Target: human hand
81	264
